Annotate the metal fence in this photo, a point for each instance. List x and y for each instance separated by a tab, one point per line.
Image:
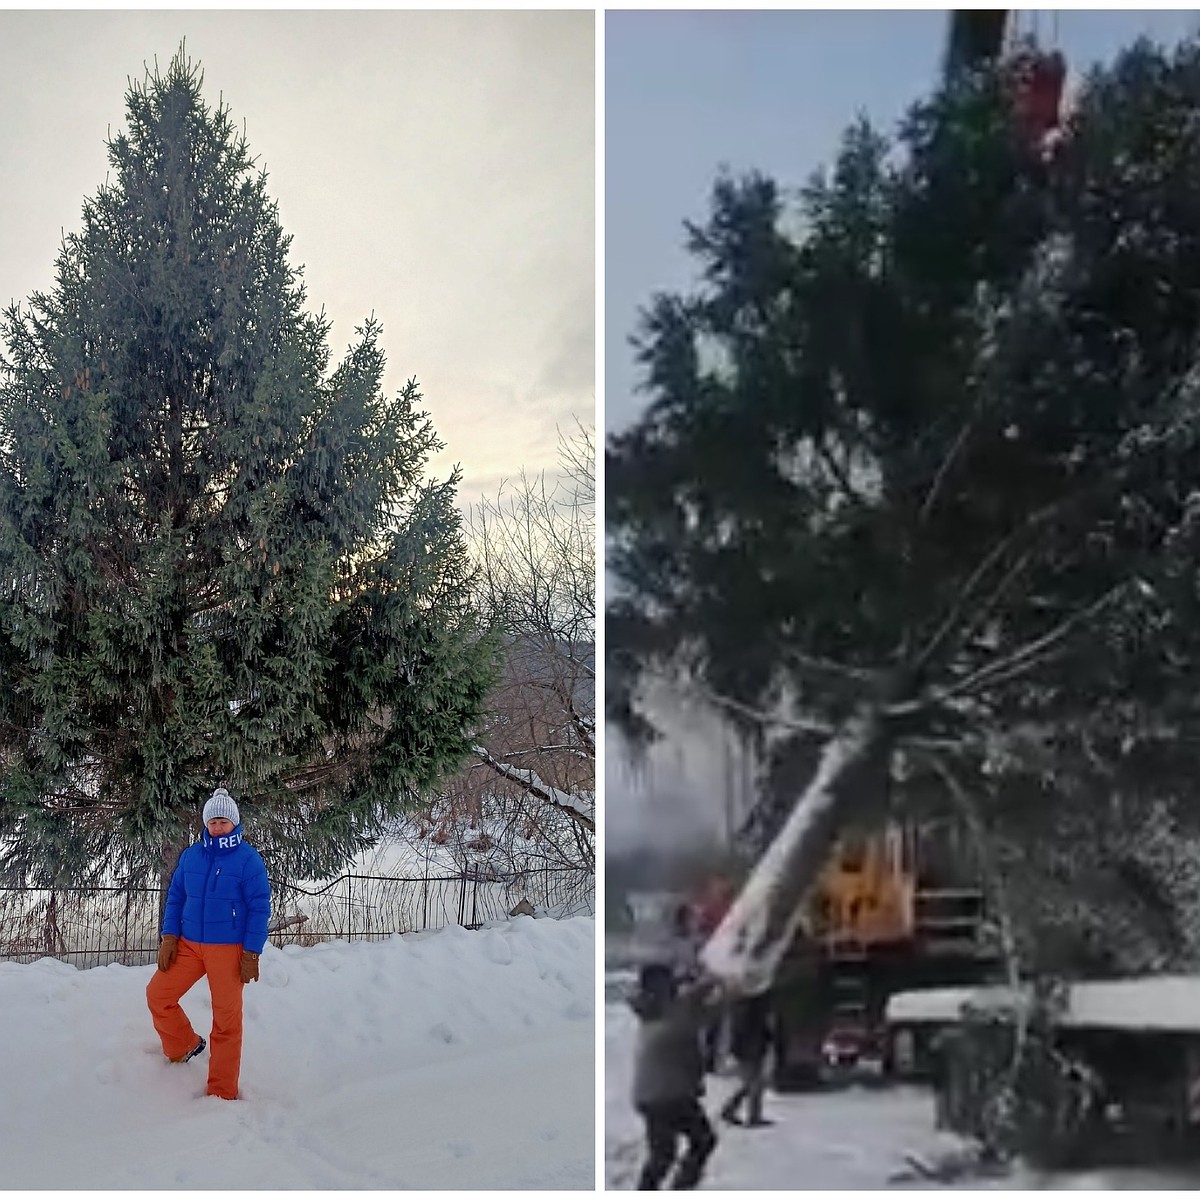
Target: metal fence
94	926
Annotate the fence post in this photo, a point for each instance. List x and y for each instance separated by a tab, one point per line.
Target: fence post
48	938
475	899
125	931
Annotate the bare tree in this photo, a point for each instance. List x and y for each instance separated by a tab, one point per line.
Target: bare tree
530	797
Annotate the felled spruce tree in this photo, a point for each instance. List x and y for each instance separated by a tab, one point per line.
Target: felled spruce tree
926	462
219	561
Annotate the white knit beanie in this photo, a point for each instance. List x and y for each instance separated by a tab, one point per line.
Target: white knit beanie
221	804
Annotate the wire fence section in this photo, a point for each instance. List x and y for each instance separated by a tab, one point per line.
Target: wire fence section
94	926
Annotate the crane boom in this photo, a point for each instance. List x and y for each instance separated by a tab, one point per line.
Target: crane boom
976	36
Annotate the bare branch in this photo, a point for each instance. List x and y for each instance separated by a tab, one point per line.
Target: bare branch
954	616
535	546
994	880
843	480
936	486
1025	657
825	667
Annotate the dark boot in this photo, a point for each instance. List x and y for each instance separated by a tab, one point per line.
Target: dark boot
661	1144
196	1049
701	1143
729	1110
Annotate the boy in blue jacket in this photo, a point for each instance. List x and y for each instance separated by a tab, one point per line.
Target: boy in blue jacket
214	924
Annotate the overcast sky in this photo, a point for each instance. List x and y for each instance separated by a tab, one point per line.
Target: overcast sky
689	92
437	169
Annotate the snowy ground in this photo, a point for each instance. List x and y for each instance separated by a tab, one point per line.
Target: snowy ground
451	1059
857	1138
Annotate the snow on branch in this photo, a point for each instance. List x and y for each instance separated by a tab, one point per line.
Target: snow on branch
762	717
564	748
1024	535
823	668
1026	657
572	805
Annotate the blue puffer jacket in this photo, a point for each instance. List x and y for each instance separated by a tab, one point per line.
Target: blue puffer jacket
219	894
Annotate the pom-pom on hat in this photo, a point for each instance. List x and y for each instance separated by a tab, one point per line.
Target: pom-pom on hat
221	804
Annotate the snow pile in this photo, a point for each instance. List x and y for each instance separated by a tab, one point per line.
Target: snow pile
410	849
944	1005
1164	1002
450	1059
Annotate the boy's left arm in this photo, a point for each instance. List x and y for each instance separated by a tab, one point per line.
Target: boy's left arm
257	889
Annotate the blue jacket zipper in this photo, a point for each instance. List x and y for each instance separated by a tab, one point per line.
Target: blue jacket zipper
209	882
207	887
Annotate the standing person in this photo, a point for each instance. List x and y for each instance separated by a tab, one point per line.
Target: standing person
668	1078
686	941
710	911
214	924
750	1042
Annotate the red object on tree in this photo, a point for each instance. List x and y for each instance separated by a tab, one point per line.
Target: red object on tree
1038	83
712	905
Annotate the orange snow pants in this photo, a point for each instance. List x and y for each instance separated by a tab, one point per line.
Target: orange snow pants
222	965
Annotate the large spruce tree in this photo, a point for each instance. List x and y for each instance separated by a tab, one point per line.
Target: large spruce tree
923	458
220	561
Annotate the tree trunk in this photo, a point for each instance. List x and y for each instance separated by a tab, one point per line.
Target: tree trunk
747	946
168	860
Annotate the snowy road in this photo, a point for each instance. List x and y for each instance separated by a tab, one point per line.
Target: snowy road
453	1059
515	1117
857	1138
851	1139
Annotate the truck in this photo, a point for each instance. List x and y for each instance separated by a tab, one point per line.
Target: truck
895	908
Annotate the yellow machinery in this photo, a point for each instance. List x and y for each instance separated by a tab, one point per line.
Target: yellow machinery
895	908
867	893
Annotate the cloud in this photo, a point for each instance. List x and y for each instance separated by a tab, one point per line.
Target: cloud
434	168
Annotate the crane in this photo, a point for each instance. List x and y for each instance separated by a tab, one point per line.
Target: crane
978	37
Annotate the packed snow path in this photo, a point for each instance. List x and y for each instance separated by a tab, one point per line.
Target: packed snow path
452	1059
857	1138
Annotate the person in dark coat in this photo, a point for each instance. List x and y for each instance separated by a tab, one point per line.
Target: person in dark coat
751	1038
668	1078
685	944
707	917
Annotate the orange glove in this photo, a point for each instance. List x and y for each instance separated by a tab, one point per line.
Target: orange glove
167	949
249	967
